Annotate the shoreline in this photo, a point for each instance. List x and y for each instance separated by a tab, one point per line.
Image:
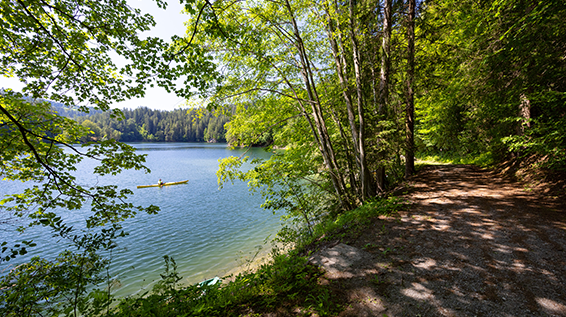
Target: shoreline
251	266
242	266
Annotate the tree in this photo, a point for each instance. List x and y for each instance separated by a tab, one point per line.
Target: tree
338	33
410	103
270	40
493	75
384	77
308	73
61	50
149	122
94	133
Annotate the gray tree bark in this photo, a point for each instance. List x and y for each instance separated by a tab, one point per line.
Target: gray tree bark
384	78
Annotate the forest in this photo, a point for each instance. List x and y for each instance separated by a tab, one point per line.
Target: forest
353	91
356	89
147	125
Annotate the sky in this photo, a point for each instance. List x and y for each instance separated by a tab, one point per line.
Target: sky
169	23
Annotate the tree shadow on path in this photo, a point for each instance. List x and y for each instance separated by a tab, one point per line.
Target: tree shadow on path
472	244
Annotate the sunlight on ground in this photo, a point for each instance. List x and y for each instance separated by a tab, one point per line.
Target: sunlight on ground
427	265
418	292
551	306
429	161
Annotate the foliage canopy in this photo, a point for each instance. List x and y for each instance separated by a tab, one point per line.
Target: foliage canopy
62	51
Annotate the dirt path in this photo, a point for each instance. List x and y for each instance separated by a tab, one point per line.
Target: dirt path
472	244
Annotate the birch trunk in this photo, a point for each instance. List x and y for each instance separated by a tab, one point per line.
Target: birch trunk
325	142
365	175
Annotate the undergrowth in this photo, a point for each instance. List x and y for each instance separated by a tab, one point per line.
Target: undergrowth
343	224
285	283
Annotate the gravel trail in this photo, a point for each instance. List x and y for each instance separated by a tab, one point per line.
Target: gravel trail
471	244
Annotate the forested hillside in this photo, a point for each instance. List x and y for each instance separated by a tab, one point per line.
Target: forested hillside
148	125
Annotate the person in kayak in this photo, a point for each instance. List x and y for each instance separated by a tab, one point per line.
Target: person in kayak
160	183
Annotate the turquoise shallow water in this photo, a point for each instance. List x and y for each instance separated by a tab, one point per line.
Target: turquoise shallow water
206	230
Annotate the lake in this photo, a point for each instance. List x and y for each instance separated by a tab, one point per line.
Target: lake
208	231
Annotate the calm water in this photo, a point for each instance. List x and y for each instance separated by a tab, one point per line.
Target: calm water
206	230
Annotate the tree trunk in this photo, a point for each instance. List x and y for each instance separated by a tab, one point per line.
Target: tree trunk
410	106
325	142
341	70
384	79
525	113
365	175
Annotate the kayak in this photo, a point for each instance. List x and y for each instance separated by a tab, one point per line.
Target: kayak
164	184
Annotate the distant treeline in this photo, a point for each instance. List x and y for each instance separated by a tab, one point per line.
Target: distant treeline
148	125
